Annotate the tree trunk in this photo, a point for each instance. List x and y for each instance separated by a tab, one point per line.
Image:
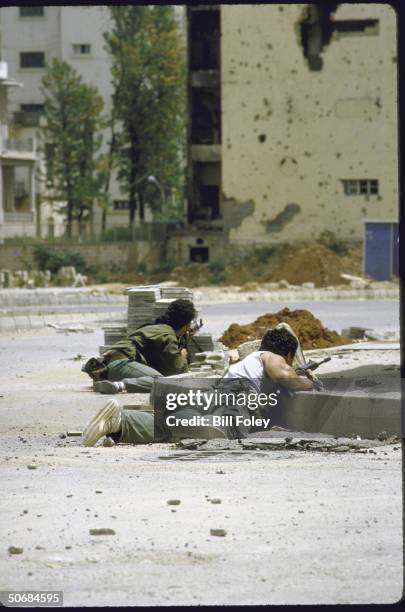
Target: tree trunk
132	185
141	207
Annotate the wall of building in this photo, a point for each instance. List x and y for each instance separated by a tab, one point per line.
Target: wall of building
118	256
55	34
290	134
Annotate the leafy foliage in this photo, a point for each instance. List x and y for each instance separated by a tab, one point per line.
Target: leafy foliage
148	76
72	140
50	259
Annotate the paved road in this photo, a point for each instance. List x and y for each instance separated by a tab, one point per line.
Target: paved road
381	315
302	527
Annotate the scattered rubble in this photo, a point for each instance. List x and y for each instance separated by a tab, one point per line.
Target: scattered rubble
310	331
219	533
15	550
30	279
301	443
102	531
27	279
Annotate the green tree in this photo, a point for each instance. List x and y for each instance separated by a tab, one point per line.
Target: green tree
75	171
148	77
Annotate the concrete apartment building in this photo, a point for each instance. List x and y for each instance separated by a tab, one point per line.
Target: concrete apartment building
292	123
17	168
32	37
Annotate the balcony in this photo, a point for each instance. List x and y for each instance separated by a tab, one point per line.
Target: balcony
206	153
19	217
22	146
17	150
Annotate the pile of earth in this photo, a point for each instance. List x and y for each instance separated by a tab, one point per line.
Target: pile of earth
310	331
318	263
315	263
296	264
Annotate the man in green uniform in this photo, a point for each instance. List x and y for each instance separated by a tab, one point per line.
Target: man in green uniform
137	427
151	351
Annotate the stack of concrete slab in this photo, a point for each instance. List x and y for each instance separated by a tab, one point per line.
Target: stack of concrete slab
176	293
200	343
160	307
141	302
114	334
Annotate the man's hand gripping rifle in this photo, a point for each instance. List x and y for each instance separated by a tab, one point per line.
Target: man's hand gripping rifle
184	340
309	367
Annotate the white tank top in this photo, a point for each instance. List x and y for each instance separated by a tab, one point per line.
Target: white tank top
251	367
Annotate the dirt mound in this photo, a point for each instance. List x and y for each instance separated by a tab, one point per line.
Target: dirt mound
310	331
318	264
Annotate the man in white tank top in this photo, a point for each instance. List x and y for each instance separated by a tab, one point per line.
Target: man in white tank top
272	364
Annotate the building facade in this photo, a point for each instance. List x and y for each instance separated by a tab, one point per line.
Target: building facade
32	37
18	160
292	123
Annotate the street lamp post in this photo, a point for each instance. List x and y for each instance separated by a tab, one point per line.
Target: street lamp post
153	179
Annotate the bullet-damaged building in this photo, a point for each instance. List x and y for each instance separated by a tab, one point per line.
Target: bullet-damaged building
292	123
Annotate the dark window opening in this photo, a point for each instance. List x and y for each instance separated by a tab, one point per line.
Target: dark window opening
31	11
32	59
360	26
206	117
205	199
29	115
204	40
121	205
83	49
208	202
199	254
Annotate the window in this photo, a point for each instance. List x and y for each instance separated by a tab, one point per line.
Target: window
360	187
31	11
32	59
29	115
121	205
82	49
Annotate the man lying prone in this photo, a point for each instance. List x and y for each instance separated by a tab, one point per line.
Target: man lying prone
270	367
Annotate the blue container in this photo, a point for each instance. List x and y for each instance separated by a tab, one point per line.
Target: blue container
381	256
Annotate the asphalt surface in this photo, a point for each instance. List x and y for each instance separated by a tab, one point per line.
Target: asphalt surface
337	314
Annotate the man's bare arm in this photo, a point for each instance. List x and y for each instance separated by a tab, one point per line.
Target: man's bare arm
278	370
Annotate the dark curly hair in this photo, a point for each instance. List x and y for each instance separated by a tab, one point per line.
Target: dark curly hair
279	341
179	313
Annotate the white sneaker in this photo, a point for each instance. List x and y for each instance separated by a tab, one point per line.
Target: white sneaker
106	386
106	421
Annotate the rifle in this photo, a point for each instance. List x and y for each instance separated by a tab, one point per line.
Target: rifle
311	366
183	340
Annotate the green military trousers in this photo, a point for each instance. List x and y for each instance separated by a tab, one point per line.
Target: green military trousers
139	428
137	377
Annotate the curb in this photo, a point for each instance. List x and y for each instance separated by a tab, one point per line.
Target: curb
20	323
